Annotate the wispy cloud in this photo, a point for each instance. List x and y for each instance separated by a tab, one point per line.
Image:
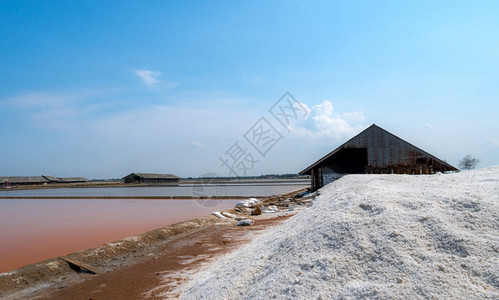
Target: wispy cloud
144	134
426	125
492	142
198	144
151	79
38	100
355	116
58	111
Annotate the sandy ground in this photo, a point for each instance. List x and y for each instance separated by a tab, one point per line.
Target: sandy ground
160	272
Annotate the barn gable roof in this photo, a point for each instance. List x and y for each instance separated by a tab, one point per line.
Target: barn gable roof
351	143
23	179
50	178
40	179
72	179
153	176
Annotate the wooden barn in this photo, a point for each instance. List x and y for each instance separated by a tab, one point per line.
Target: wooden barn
71	180
150	178
374	151
37	180
52	179
23	180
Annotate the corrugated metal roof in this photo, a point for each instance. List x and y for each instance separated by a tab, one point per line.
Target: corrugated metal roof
73	179
153	176
23	179
40	179
51	178
384	150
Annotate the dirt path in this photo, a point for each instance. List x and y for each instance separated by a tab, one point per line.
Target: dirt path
158	274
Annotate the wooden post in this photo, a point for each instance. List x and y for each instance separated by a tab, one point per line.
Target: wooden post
312	175
320	177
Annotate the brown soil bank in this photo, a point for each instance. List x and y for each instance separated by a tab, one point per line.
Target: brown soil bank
105	258
149	257
159	274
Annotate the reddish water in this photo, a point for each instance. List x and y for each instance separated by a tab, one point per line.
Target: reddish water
33	230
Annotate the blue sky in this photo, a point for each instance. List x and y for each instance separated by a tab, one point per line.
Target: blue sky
101	89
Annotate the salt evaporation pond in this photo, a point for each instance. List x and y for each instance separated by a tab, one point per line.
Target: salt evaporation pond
249	190
32	230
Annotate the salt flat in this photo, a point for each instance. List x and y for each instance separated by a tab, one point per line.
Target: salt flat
373	236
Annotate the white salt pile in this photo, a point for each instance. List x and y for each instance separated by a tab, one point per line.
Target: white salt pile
373	236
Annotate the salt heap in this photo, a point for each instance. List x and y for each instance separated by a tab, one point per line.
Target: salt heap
373	236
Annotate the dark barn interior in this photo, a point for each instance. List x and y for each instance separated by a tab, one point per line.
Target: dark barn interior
348	160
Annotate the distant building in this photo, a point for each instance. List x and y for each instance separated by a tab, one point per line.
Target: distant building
374	151
150	178
71	179
23	180
51	179
37	180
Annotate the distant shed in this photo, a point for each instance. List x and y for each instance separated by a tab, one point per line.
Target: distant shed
23	180
377	151
150	178
51	179
37	180
72	179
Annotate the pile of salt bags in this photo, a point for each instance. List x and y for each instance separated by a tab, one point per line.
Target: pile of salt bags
270	209
228	215
218	215
245	222
251	202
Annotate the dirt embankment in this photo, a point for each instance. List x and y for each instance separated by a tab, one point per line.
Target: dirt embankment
105	258
57	274
159	274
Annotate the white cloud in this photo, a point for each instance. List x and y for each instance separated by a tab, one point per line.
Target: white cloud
144	135
356	116
426	125
321	122
36	100
332	126
150	78
58	111
492	141
198	144
325	108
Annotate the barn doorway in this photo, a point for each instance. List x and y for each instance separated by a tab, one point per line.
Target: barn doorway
348	161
